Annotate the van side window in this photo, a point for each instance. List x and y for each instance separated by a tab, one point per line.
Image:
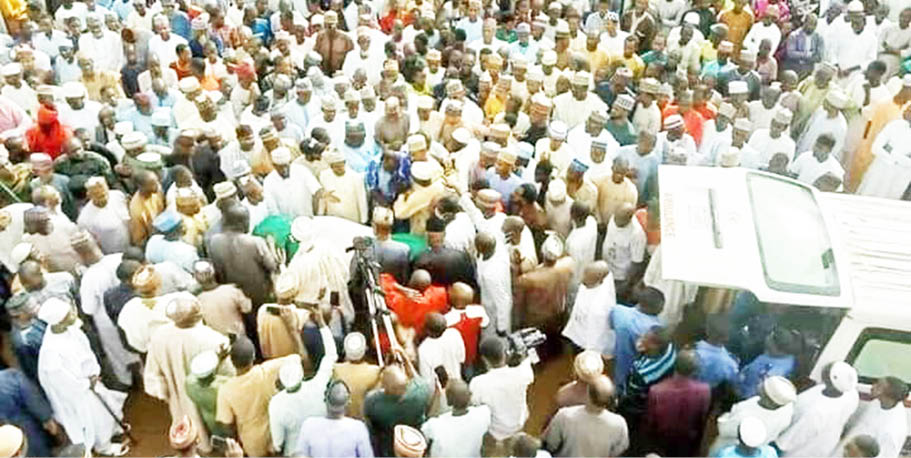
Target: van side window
881	352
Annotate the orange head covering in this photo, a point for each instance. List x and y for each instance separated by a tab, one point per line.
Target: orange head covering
48	136
47	116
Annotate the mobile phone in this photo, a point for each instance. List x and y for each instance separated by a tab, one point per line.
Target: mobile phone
442	375
273	309
219	443
333	298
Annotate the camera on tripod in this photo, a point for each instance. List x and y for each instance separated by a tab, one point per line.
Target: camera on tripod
520	342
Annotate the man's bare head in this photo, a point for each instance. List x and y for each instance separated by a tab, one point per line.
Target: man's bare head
460	295
485	243
624	214
601	392
458	394
594	273
394	381
420	280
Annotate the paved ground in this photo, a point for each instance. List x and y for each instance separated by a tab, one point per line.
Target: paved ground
150	418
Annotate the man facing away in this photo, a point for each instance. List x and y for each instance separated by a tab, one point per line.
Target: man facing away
590	429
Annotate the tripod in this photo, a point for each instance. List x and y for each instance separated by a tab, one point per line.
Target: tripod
368	272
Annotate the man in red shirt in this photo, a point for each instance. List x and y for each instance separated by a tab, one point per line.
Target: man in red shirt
466	317
677	409
693	120
412	303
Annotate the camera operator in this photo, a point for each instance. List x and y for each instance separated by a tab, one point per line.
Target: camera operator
503	388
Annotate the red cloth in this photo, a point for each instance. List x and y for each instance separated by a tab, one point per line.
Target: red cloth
48	135
470	329
388	21
692	119
677	410
412	312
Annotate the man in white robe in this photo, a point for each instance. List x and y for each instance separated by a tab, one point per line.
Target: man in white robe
774	406
11	232
589	324
105	216
344	191
100	276
171	349
70	375
141	316
290	189
883	417
811	167
574	107
775	139
582	241
494	280
320	267
826	119
104	47
821	412
890	172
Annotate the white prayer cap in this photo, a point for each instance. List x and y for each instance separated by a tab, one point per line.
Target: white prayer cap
188	84
557	130
731	157
906	80
280	155
417	142
500	130
11	440
507	155
368	93
743	124
291	374
425	102
282	35
11	69
625	102
318	19
490	149
302	231
556	191
784	116
123	128
738	87
54	310
161	117
355	346
204	364
74	90
562	28
434	55
286	285
91	182
408	441
843	376
649	86
224	189
748	55
691	18
461	135
855	7
525	150
837	98
383	215
666	89
488	197
20	253
581	78
549	58
726	46
587	364
422	170
779	389
333	155
727	110
535	74
673	121
134	139
552	248
752	432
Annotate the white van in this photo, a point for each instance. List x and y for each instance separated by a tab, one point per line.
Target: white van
788	243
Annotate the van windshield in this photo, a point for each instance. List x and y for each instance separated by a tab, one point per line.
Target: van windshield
794	244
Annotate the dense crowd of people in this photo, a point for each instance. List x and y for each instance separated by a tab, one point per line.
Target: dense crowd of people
181	182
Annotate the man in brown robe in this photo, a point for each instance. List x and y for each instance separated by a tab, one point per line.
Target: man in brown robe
539	298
